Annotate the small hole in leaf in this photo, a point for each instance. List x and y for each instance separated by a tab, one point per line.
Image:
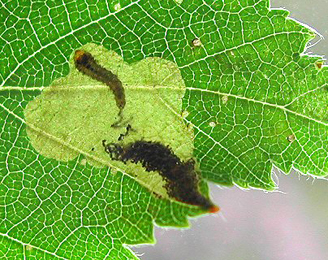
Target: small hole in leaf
225	99
196	42
291	138
212	124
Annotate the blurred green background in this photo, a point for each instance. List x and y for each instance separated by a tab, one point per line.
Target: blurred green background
291	224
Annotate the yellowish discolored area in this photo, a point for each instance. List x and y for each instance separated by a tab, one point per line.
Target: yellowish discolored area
76	113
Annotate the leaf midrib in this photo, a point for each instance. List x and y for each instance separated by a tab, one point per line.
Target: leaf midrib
154	88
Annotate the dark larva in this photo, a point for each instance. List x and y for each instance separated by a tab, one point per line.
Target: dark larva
181	178
86	64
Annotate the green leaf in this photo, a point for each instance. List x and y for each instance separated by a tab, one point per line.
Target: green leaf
250	95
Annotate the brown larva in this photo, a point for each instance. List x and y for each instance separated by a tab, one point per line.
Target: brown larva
86	64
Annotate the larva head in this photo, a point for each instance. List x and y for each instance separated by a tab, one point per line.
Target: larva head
79	55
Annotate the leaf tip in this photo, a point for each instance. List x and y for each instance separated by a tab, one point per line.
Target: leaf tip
214	209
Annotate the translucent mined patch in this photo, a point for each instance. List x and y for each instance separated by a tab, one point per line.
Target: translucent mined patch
75	114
